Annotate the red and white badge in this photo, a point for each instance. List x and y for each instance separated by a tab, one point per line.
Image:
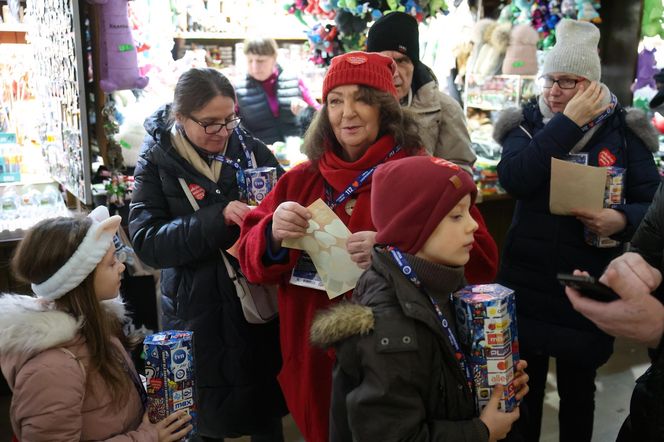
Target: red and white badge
357	59
606	158
197	191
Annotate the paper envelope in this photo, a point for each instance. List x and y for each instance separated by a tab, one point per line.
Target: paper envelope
325	242
576	186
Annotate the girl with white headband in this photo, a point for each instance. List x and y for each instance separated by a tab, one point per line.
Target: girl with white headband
62	351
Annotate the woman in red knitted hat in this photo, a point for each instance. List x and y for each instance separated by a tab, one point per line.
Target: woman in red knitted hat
360	126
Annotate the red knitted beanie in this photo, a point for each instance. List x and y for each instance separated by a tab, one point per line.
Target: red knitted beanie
411	196
369	69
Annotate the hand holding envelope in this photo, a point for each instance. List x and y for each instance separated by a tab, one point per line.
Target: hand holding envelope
576	186
325	242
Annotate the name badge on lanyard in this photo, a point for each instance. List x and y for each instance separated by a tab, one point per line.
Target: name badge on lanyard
304	274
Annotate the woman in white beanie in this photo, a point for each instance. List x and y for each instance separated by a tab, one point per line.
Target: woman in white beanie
575	114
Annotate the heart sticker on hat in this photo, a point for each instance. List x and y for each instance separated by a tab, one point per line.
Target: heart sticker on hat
356	59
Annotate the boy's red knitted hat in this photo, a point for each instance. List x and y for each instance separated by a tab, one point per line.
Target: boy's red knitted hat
368	69
411	196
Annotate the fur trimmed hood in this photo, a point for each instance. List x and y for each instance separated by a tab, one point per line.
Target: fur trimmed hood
340	322
636	120
30	325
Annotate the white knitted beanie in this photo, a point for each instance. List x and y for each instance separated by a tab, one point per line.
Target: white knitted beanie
575	51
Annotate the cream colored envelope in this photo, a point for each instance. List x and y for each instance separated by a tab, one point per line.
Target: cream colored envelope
576	186
325	242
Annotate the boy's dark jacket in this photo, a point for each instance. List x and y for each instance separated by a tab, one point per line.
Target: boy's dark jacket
395	378
539	244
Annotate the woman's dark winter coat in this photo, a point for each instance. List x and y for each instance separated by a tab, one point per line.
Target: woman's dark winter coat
236	363
539	244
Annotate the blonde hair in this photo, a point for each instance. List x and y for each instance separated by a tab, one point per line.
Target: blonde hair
261	46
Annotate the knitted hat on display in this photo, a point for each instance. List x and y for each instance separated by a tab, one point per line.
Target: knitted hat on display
521	55
396	31
411	196
89	253
575	51
373	70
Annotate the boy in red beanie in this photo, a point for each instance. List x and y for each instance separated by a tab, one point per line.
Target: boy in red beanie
400	372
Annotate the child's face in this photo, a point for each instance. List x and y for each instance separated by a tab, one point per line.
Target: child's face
451	242
108	276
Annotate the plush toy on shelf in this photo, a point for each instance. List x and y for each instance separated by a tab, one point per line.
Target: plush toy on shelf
587	12
118	59
646	68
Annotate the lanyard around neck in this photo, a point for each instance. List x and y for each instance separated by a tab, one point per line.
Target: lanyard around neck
409	273
356	183
603	116
224	159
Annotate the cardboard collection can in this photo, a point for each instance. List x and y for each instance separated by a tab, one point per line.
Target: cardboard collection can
169	371
486	323
259	181
614	194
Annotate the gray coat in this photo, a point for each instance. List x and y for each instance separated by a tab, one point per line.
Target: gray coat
395	378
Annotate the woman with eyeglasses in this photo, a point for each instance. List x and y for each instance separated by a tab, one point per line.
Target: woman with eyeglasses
576	118
193	150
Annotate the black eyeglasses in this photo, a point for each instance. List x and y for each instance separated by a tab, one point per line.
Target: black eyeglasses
215	128
563	83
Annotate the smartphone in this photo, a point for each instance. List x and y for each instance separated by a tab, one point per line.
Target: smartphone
588	286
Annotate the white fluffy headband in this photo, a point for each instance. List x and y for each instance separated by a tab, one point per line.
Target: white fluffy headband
84	260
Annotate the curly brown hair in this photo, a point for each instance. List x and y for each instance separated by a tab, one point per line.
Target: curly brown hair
394	120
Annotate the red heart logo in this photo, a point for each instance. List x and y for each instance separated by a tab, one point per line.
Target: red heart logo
606	158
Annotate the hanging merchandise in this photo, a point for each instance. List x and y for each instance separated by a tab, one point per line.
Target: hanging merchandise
544	15
521	55
351	19
111	128
587	11
119	60
652	23
495	39
646	68
521	10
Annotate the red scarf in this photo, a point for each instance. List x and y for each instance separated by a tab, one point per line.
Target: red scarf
339	174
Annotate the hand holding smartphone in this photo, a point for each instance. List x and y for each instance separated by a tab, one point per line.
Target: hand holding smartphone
588	286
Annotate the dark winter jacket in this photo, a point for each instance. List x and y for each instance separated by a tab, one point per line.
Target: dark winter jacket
539	244
648	241
236	363
647	404
396	378
255	111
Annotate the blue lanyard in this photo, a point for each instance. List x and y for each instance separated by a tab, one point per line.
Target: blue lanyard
224	159
409	273
356	184
603	116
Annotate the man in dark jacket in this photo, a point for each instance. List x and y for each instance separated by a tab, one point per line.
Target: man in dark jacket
638	315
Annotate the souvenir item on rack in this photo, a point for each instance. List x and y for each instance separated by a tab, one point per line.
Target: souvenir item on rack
646	68
521	54
652	23
119	60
